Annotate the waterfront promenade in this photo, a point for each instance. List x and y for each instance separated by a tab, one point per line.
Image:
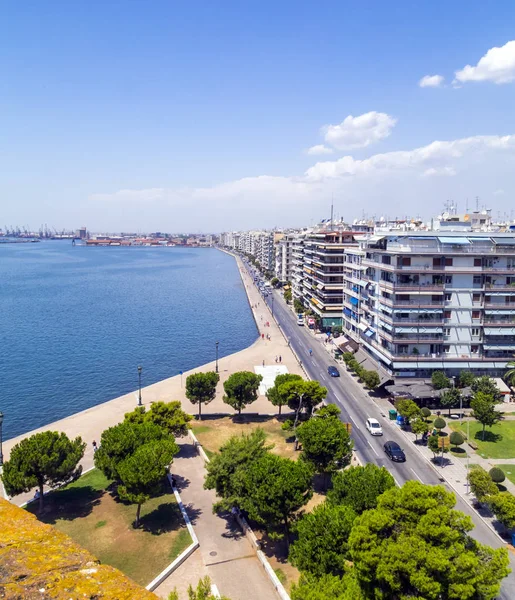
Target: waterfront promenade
90	423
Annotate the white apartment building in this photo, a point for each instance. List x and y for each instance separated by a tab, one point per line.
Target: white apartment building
283	257
422	301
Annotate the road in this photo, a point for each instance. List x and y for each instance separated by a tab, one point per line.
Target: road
356	406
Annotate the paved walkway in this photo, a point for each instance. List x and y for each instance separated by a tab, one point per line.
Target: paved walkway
225	554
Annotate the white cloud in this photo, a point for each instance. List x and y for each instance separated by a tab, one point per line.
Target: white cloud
499	193
319	149
359	132
497	65
403	182
431	81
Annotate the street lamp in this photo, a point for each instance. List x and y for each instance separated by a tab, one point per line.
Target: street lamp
140	368
1	455
272	305
216	366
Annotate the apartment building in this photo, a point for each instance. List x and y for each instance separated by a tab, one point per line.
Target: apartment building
422	301
283	257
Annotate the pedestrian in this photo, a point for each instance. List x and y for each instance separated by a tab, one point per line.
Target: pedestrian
95	447
263	362
310	352
280	358
262	336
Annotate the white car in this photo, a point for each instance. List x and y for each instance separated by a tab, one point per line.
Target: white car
374	427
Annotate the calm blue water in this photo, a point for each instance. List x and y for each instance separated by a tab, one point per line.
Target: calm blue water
75	323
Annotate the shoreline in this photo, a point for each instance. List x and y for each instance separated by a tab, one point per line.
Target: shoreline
90	422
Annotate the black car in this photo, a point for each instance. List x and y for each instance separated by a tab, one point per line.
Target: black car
394	452
333	371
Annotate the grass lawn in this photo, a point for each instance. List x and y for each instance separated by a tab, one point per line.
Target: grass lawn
509	471
87	511
213	433
499	439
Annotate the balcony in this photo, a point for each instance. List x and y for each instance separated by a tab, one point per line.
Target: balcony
500	306
497	287
421	302
412	287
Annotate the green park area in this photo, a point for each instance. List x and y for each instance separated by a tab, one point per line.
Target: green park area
499	439
92	515
214	433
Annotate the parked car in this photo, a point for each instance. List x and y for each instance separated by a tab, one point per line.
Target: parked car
300	321
333	371
373	426
394	452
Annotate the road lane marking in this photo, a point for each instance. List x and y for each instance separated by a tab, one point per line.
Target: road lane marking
398	484
337	398
414	473
322	376
355	424
375	451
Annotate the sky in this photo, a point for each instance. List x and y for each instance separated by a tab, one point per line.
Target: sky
207	116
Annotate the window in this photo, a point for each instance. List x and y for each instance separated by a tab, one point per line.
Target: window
448	262
476	314
448	297
475	331
446	314
406	261
446	348
476	297
448	279
447	331
477	280
403	348
477	262
437	262
436	298
474	349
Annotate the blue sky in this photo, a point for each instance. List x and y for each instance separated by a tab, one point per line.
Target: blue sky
199	115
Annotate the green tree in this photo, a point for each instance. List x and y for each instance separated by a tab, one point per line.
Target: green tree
509	376
201	592
450	398
407	408
497	475
360	487
287	296
304	395
276	394
273	489
322	535
47	458
456	439
481	484
419	426
487	386
121	441
483	410
143	472
437	445
298	307
329	410
503	507
236	455
425	412
274	281
347	357
326	445
201	388
415	545
327	587
167	415
371	379
241	389
440	381
439	424
466	379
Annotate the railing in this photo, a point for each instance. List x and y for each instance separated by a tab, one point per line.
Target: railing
500	306
416	287
419	302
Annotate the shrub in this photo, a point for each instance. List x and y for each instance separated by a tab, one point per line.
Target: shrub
439	423
497	475
348	357
425	412
456	438
287	425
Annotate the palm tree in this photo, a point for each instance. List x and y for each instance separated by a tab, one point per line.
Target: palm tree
509	376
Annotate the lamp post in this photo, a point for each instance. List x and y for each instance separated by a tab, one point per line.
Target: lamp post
140	368
216	365
272	305
1	455
468	456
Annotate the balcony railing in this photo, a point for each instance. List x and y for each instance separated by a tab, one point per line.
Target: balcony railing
500	306
419	302
414	287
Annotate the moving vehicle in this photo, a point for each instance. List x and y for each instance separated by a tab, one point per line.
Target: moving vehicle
333	371
394	452
300	319
373	426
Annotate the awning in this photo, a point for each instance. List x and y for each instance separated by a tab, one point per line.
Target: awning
347	312
500	312
493	347
386	326
503	388
460	241
386	309
508	241
427	311
376	238
354	301
369	332
499	331
362	326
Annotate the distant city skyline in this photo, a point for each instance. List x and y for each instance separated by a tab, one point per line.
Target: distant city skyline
207	118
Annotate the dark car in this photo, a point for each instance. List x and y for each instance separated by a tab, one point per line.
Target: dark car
394	452
333	371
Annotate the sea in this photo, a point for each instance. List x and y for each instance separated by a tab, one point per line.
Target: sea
76	321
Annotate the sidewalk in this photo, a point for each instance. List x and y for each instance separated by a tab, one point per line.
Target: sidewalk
225	554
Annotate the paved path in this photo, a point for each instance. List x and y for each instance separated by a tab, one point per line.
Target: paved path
226	555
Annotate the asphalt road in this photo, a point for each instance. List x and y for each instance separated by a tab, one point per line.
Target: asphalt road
356	406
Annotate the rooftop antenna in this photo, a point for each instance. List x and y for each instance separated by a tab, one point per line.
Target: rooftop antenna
467	205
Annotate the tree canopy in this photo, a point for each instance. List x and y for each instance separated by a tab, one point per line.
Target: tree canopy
201	388
241	389
278	395
272	489
466	379
46	458
360	487
326	444
321	545
122	440
327	587
167	415
419	426
503	507
487	385
450	398
236	455
407	408
415	545
483	409
440	381
143	472
304	395
481	484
